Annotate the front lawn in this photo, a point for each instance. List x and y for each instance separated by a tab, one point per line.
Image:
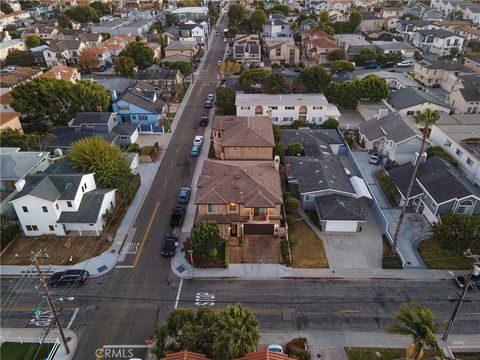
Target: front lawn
308	252
435	257
388	261
379	353
25	351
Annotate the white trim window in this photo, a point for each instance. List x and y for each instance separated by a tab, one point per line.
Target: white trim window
465	207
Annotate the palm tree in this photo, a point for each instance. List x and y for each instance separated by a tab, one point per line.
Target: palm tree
418	323
236	333
427	119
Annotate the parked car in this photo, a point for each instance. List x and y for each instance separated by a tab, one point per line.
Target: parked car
388	64
219	62
102	68
169	245
195	151
184	195
198	141
108	64
217	33
178	213
74	276
375	158
474	282
225	39
405	63
372	65
204	121
275	348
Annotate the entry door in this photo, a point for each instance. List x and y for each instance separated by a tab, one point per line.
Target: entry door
233	230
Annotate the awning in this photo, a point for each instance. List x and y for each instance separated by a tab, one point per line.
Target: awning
360	187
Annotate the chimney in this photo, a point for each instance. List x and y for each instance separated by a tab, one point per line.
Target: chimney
19	185
58	76
277	162
114	95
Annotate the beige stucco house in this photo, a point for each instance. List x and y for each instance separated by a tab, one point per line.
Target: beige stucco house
283	51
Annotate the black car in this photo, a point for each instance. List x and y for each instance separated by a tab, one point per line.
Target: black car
474	282
177	215
388	64
77	277
204	121
169	245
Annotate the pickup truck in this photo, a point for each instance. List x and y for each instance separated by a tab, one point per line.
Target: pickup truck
177	215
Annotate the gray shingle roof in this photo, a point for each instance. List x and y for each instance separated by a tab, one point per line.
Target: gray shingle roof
139	95
155	72
443	64
471	87
392	127
65	136
315	141
15	165
91	118
338	207
88	210
51	186
440	33
410	96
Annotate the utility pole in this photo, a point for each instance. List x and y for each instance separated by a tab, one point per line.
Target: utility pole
50	301
474	272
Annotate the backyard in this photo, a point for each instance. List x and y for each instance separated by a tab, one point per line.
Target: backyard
308	251
435	257
25	351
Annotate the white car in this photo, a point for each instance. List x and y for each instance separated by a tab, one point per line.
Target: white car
405	63
198	141
225	39
275	348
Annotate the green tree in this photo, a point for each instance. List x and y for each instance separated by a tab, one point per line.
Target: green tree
236	14
279	9
325	24
156	27
291	204
205	237
5	7
183	66
225	100
457	232
102	8
52	101
33	41
236	333
28	4
374	87
454	51
339	65
140	53
95	154
34	141
20	58
277	133
295	148
344	95
83	14
274	84
418	323
457	14
366	55
355	19
315	79
253	80
228	68
64	21
331	123
425	119
438	151
125	66
279	150
337	54
170	19
257	20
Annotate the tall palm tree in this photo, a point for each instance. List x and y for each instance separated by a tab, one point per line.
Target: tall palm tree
236	333
427	119
418	323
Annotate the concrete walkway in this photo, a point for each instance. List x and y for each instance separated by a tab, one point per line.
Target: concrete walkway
33	335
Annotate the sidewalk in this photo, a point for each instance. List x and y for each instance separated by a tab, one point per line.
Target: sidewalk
320	342
33	335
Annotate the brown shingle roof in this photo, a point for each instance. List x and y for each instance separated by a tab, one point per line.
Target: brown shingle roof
66	73
185	355
252	183
244	130
6	117
264	355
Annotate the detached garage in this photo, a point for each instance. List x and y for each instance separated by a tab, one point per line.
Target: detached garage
339	213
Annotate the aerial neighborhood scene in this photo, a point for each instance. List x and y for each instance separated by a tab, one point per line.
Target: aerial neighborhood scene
239	179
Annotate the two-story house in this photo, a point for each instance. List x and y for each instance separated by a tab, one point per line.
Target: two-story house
138	104
246	49
458	135
438	73
438	41
286	108
62	72
192	32
395	47
7	46
472	13
64	52
165	81
61	203
46	33
438	189
468	32
276	27
352	44
465	94
242	197
371	21
408	28
246	138
317	45
282	51
472	62
186	48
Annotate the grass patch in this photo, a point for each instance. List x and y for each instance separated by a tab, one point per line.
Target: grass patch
25	351
183	91
435	257
308	251
388	261
379	353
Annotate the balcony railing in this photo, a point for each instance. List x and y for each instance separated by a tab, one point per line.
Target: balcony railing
260	217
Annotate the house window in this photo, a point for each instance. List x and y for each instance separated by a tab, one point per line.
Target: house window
459	152
274	119
274	107
123	107
309	197
219	134
51	227
211	208
317	108
69	203
45	209
235	150
232	207
465	207
288	119
410	112
289	107
32	227
469	162
250	150
25	209
244	107
56	205
142	117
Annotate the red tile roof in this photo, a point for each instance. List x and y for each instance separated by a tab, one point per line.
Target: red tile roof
264	355
185	355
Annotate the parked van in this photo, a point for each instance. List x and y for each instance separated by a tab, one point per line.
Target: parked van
405	63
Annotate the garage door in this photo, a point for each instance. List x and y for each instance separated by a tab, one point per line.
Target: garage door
341	226
258	229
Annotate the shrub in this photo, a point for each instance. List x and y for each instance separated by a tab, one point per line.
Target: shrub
284	251
391	164
133	148
296	348
295	148
211	151
128	189
291	204
438	151
348	140
331	123
389	188
299	123
147	150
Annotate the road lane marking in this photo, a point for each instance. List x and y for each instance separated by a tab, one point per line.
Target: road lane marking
171	165
474	313
178	293
137	257
204	299
29	308
178	149
350	311
73	317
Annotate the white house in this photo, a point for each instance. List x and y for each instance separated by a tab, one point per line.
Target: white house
64	52
59	203
472	12
7	46
192	32
438	41
454	133
276	27
286	108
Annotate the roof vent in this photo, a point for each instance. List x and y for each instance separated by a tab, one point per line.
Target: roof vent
317	171
237	177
